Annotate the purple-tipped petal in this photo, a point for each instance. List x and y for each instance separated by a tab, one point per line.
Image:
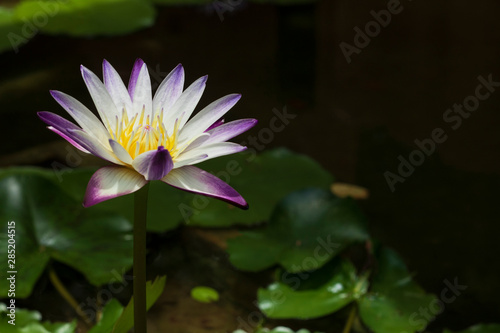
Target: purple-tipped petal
61	126
191	161
154	164
142	98
169	90
230	130
212	151
82	115
67	138
57	121
132	82
102	100
195	180
185	104
93	146
111	182
216	124
206	117
116	88
222	133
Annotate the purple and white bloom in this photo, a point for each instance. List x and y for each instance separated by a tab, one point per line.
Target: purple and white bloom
149	138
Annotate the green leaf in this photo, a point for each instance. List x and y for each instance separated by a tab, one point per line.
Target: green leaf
110	314
153	291
204	294
87	17
163	199
27	321
263	181
480	328
281	301
306	230
11	31
394	300
50	224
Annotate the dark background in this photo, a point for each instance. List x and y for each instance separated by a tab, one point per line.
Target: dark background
354	118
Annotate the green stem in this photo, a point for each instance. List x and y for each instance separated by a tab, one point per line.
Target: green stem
350	319
140	218
61	289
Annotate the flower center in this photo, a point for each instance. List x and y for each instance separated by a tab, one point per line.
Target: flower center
141	134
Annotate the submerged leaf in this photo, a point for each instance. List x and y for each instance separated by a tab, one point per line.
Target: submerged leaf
50	224
281	300
87	17
394	300
306	230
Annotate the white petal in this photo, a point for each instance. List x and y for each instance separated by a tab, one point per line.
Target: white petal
111	182
185	104
102	100
206	117
120	152
193	179
212	151
169	90
94	146
142	93
82	115
116	88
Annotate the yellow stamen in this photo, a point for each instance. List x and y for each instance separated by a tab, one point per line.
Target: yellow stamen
142	133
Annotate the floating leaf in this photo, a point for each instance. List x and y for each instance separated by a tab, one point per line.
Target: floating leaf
394	300
153	290
50	224
306	230
480	328
262	180
204	294
87	17
160	217
280	300
11	31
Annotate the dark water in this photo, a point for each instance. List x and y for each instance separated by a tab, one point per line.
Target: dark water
355	118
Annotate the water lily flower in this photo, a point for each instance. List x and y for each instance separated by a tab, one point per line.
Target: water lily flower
149	138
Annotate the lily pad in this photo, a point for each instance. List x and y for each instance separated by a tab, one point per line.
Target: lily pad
394	301
280	300
480	328
306	230
263	180
51	225
12	35
204	294
87	17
